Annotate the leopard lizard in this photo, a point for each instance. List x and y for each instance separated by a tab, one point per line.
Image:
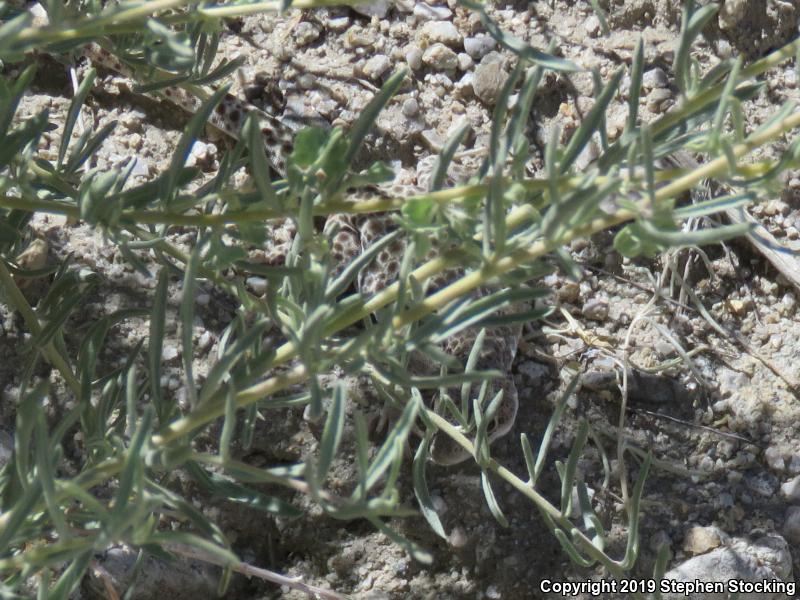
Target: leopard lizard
350	235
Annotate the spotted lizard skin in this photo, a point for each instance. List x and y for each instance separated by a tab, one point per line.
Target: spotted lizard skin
350	235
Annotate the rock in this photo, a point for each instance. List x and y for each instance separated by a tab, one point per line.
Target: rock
724	49
440	57
764	559
337	24
202	155
659	100
442	32
595	309
790	78
775	459
410	107
458	537
489	78
465	62
425	12
257	284
763	484
414	57
655	78
374	8
305	33
405	6
179	579
731	13
376	66
794	464
478	47
464	86
592	25
791	525
791	490
700	540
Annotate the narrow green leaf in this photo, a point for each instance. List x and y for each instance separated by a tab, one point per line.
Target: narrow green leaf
331	434
446	157
187	316
594	119
591	522
571	550
401	430
632	549
568	477
692	22
46	476
73	113
469	367
635	90
421	487
547	438
367	117
84	150
725	100
228	425
259	165
491	501
193	130
221	556
72	575
155	346
131	475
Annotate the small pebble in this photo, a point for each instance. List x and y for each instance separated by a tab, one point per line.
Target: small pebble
337	24
440	57
374	8
655	78
458	537
425	12
489	78
305	33
724	49
700	540
595	309
442	32
464	86
410	107
478	47
465	62
376	66
791	490
657	100
775	459
592	25
731	12
257	284
414	57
